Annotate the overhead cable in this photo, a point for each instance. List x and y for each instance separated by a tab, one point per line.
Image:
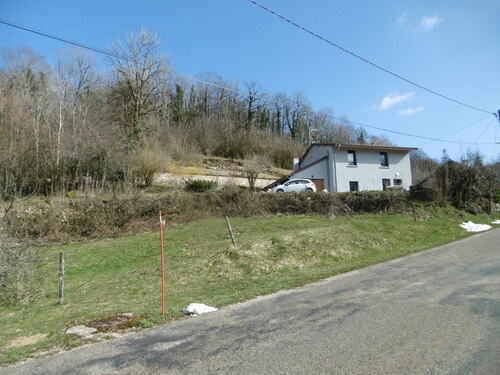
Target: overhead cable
364	59
412	135
456	131
64	40
479	136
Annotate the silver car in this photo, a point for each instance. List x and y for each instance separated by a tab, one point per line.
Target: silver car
296	184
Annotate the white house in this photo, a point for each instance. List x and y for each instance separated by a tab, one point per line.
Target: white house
340	168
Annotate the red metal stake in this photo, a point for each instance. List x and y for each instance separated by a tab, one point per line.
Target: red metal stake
162	268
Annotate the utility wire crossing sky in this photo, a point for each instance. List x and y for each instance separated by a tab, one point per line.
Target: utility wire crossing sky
367	61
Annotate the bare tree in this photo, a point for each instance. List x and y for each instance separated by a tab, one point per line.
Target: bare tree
253	166
139	81
379	140
25	102
281	107
252	100
73	83
297	116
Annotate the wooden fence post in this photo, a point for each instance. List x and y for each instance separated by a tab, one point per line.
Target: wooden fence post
230	231
61	277
162	266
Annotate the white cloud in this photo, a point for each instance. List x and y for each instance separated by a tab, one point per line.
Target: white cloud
410	111
429	22
403	18
393	99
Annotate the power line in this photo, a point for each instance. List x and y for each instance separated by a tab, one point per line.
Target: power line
479	136
363	59
224	87
411	135
55	37
456	131
103	52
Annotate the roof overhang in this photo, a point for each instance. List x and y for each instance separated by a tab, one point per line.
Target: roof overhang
340	146
376	148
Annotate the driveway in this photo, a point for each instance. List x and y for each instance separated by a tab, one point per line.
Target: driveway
222	179
435	312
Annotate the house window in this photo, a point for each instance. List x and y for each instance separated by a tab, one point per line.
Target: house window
351	157
384	161
398	182
386	182
353	186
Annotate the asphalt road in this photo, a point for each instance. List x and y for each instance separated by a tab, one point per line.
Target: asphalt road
435	312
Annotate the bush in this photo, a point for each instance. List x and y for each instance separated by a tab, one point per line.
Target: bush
466	186
422	194
19	276
62	220
374	201
16	278
200	186
145	163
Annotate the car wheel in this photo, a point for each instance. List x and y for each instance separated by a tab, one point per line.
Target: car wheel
309	190
279	191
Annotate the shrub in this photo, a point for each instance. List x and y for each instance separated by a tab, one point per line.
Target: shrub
145	163
466	186
61	220
200	186
253	166
19	276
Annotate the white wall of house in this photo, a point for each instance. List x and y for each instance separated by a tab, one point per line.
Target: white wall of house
315	153
316	171
369	173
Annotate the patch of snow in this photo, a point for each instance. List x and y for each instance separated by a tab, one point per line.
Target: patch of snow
495	222
195	309
471	227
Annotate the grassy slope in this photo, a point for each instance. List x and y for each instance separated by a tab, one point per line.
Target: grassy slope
108	277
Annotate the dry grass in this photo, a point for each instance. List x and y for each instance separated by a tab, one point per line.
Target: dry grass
26	340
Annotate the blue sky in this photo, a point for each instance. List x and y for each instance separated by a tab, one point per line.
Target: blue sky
451	47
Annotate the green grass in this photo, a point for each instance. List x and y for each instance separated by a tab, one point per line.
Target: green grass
108	277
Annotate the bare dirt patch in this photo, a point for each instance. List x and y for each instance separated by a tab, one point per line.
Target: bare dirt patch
26	340
112	323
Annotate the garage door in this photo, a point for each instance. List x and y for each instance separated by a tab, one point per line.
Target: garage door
320	184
